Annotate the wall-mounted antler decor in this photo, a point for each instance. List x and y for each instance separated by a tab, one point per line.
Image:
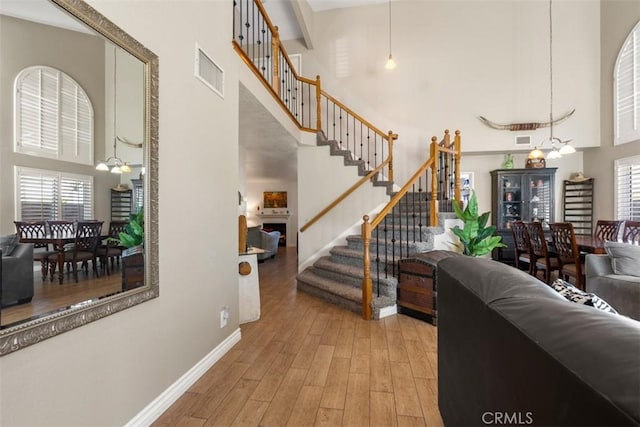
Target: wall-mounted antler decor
526	126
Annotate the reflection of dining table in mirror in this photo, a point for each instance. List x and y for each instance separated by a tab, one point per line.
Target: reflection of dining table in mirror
58	241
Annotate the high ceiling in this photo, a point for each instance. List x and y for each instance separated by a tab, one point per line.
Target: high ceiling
269	149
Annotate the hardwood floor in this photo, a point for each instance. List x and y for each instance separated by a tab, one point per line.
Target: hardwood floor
49	296
307	362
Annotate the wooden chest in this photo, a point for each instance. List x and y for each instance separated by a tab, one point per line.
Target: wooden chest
418	285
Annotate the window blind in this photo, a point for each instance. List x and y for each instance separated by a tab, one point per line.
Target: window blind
54	116
628	188
51	195
627	90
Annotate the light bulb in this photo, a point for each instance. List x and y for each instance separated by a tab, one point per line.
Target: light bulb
125	168
102	166
567	149
554	154
391	64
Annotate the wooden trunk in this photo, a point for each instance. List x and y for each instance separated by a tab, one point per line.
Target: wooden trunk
418	285
132	268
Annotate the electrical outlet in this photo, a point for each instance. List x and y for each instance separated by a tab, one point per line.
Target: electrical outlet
224	317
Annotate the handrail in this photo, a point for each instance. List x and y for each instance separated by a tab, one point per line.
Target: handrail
343	196
256	39
436	149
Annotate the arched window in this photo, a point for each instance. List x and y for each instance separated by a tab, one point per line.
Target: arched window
53	116
626	89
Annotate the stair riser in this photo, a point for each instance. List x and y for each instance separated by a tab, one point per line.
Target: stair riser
350	305
386	288
396	248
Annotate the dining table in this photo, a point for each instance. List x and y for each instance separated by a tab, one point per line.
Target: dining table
590	244
58	241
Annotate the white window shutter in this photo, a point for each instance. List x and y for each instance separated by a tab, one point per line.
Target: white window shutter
627	90
628	188
54	116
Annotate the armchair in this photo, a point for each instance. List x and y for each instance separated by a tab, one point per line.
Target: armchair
621	291
258	238
17	274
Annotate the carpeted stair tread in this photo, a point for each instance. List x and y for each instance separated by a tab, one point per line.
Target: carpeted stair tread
350	274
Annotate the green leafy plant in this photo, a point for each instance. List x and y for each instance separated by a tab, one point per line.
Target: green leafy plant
133	234
476	238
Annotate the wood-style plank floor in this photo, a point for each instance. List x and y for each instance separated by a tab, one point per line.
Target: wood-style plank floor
49	296
307	362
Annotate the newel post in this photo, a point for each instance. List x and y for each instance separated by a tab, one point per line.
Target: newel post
367	285
275	60
318	105
433	207
456	147
392	136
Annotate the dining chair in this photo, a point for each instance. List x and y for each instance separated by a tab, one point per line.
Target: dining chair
110	250
36	230
522	245
85	244
631	232
607	230
61	227
541	257
564	242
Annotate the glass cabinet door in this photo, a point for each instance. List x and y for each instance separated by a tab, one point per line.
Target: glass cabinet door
539	201
511	200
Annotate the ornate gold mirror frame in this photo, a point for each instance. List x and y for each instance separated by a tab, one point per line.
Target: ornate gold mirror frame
34	331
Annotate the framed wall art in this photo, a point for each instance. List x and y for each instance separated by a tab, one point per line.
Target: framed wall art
275	199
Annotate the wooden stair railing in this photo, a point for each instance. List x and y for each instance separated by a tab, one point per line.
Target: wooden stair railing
444	163
257	41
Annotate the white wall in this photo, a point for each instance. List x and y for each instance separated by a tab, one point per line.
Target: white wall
458	60
104	373
618	19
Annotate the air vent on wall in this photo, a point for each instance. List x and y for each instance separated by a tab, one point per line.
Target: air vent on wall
523	140
209	72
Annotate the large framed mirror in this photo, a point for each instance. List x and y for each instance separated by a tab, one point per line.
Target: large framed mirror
115	108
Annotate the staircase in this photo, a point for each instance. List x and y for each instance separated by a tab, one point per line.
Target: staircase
337	278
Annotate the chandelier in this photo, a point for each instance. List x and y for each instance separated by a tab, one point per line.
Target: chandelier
114	164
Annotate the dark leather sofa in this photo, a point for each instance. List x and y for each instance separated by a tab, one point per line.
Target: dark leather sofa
511	350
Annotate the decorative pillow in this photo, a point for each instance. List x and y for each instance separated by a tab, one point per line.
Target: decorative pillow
574	294
625	258
8	244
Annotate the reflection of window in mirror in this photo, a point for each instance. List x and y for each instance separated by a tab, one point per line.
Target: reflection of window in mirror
54	116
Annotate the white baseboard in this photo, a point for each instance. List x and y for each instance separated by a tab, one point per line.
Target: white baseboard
161	403
388	311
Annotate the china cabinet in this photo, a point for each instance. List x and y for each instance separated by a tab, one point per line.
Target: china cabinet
520	195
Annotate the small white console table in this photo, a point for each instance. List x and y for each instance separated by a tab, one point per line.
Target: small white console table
249	287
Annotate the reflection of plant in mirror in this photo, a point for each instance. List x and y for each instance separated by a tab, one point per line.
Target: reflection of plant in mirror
133	234
475	238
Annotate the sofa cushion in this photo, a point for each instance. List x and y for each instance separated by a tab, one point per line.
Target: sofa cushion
574	294
8	244
625	258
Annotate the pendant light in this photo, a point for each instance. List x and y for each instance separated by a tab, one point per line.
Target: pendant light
391	64
114	164
558	147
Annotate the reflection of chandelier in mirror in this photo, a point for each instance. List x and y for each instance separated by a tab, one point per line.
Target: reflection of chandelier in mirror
114	164
558	147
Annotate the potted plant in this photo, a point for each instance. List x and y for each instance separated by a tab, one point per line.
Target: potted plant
476	238
132	238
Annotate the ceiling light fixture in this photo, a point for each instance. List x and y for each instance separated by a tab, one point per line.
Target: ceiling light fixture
391	64
558	147
114	164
